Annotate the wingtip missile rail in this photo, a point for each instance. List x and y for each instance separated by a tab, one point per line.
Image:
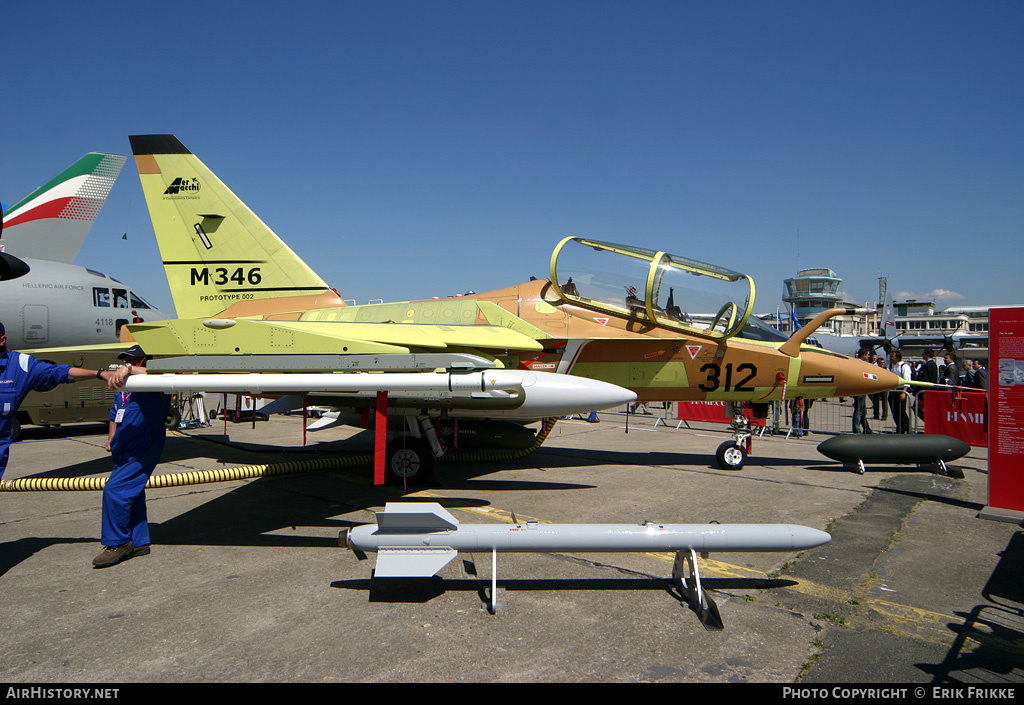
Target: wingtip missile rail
417	540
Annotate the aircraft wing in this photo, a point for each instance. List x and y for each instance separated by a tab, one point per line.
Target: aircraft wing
257	337
343	360
419	335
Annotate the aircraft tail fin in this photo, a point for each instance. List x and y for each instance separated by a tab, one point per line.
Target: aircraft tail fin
889	320
51	222
217	253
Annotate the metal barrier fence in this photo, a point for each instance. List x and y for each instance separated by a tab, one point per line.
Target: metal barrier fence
828	416
836	416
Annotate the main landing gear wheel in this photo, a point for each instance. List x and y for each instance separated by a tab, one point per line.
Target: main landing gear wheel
730	456
409	461
173	419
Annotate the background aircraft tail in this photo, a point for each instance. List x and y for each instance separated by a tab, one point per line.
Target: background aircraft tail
889	319
218	255
51	222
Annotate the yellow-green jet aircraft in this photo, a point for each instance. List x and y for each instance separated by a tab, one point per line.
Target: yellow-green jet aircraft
665	327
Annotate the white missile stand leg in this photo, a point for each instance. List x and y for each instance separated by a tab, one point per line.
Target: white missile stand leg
494	606
494	581
700	602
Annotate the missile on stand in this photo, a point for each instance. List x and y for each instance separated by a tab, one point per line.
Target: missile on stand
416	540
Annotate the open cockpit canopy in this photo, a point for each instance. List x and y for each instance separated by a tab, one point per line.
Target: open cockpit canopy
653	287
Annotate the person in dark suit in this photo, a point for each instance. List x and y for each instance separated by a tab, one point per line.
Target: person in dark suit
967	378
928	372
950	371
980	376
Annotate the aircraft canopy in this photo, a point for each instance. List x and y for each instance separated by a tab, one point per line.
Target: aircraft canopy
654	287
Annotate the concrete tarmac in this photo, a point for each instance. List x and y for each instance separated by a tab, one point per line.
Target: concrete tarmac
246	582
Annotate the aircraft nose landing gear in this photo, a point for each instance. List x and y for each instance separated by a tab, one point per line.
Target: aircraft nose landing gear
732	455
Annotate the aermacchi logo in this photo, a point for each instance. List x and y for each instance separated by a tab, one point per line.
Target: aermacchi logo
180	185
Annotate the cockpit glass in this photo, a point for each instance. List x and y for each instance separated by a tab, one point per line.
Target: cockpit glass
101	296
673	291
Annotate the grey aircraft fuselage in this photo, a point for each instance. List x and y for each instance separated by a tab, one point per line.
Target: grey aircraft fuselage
59	305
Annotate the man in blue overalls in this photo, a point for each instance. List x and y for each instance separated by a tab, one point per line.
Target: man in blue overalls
135	441
20	374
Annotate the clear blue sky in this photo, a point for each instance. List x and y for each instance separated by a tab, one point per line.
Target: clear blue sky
417	149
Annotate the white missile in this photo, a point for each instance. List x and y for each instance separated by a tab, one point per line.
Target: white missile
507	393
550	394
356	382
416	540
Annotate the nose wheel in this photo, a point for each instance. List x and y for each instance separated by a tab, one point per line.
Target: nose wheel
731	456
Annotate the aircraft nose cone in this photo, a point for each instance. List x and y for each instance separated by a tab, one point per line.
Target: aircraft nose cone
853	377
857	377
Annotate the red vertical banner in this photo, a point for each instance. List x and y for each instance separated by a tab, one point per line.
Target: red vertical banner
1006	414
380	441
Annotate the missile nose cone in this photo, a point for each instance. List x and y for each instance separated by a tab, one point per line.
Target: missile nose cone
551	394
805	537
605	393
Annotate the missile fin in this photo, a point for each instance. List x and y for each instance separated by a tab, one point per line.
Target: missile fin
328	420
412	562
412	517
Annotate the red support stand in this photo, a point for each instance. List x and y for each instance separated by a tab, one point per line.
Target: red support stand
380	438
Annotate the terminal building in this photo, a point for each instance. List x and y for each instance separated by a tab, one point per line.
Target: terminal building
962	328
815	290
919	325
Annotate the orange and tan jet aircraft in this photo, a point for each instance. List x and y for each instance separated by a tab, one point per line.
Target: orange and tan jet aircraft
666	327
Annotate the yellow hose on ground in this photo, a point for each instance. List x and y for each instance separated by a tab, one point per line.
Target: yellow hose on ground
199	477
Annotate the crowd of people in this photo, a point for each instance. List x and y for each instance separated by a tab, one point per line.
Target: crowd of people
973	375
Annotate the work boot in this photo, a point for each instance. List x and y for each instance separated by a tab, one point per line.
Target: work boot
112	555
140	551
